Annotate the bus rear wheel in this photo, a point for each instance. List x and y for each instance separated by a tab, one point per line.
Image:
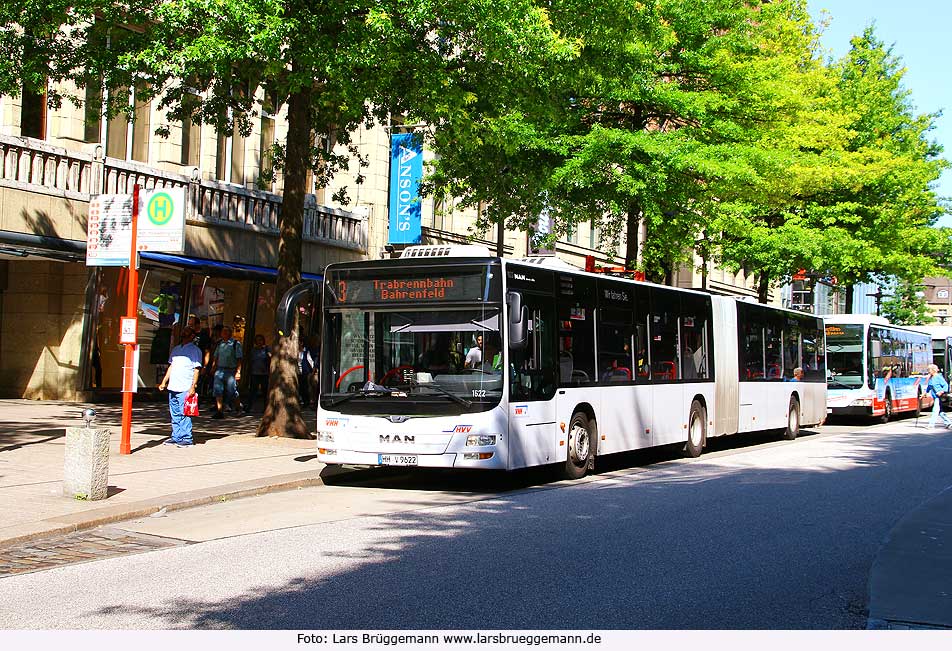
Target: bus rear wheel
581	446
697	430
793	420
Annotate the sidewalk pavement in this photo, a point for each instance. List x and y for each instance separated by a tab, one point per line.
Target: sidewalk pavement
910	583
227	461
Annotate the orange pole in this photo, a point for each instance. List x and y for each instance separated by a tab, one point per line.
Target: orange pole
125	445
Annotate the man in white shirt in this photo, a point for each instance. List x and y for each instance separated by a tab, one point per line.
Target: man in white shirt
475	354
181	378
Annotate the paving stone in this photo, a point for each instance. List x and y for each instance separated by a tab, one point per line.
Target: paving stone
78	548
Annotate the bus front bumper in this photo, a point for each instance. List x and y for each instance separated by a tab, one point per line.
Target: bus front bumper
468	459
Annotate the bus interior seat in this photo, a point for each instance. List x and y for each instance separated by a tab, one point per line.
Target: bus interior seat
620	373
667	371
565	366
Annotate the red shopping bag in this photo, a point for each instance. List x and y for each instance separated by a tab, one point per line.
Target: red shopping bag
191	405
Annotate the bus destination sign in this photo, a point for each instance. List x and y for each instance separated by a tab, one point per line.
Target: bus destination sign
346	290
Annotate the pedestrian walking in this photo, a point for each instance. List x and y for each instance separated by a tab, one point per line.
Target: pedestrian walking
305	369
260	367
226	362
181	378
937	387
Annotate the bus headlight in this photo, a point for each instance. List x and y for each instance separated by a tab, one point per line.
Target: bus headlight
327	437
862	402
326	452
481	439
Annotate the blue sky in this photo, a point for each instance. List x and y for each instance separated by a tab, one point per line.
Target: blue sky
919	31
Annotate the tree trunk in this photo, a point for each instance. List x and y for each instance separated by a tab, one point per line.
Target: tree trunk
282	414
501	238
631	236
849	297
763	287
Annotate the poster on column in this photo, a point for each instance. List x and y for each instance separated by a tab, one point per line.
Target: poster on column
406	170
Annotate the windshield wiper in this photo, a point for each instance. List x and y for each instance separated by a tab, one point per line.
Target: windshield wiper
836	384
449	394
369	389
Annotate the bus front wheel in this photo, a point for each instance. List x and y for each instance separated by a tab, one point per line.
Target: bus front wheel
793	420
887	414
581	446
697	430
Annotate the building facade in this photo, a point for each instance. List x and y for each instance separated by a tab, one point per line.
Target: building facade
59	319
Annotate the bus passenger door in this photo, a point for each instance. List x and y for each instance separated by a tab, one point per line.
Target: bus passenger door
532	387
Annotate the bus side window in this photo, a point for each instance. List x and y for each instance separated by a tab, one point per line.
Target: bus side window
665	350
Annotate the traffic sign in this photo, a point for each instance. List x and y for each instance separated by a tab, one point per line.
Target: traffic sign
162	220
161	225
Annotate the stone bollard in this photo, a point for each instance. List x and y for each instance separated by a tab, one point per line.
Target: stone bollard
86	469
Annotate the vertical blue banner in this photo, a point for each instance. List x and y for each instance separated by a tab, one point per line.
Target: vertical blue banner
406	170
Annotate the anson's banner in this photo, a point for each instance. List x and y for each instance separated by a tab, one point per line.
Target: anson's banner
406	170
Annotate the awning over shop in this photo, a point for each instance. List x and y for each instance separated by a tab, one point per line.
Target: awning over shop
218	267
23	245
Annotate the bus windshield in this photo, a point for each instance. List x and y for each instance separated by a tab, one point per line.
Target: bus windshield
412	361
844	356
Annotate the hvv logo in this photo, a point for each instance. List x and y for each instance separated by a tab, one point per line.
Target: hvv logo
460	429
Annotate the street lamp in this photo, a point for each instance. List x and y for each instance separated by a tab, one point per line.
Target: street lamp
879	298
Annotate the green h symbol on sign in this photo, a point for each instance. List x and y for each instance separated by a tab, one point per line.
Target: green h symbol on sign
160	209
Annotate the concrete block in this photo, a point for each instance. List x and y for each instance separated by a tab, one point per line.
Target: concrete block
86	468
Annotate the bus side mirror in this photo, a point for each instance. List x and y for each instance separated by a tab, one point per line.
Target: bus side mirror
287	308
518	319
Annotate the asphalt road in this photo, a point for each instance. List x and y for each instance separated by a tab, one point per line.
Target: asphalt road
755	534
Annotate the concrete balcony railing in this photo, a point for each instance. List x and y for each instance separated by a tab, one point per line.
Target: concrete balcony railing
36	166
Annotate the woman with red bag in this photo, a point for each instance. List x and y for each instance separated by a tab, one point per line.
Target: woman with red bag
181	378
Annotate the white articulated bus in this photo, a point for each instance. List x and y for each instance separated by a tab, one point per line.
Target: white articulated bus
874	368
447	357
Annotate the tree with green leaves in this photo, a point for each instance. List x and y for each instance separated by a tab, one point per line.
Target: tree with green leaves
860	201
336	66
663	109
907	305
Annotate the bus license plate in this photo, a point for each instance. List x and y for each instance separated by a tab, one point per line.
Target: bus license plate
397	459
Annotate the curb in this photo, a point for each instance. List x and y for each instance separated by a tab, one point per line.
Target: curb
90	519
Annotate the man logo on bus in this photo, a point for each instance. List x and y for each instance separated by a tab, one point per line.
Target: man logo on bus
160	209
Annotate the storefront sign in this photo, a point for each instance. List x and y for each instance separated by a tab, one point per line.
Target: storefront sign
161	220
109	230
406	170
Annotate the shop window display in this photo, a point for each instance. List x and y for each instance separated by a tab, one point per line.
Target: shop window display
159	310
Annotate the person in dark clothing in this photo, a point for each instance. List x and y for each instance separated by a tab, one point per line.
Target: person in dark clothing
260	367
305	369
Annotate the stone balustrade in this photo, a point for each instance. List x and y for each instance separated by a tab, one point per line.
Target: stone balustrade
35	166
